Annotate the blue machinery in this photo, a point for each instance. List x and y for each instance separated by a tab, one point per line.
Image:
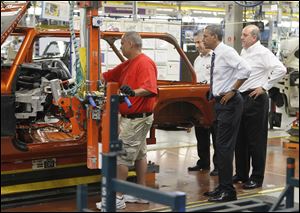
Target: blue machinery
176	200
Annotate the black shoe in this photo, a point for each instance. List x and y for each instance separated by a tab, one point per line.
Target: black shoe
251	184
236	179
198	168
223	197
213	193
214	172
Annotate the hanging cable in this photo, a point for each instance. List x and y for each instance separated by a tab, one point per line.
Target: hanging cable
79	76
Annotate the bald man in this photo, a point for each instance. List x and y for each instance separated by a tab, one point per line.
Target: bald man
251	144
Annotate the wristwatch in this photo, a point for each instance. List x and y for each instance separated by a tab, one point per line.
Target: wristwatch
234	90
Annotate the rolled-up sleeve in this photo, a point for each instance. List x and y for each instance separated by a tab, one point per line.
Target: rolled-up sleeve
276	69
242	67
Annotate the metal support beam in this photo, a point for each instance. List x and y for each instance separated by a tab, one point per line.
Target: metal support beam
288	192
233	26
175	200
81	197
256	205
134	11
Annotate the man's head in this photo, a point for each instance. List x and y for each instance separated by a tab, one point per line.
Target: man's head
131	44
212	36
250	35
198	37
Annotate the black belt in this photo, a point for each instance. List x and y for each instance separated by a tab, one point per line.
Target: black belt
137	115
247	92
218	98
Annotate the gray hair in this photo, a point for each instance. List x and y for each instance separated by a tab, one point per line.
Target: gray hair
134	37
198	32
215	30
255	31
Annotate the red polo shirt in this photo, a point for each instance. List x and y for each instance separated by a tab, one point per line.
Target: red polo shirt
139	72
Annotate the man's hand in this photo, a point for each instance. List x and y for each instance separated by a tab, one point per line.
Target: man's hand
257	92
226	97
127	90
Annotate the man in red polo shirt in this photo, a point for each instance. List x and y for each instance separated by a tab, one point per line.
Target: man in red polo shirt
137	78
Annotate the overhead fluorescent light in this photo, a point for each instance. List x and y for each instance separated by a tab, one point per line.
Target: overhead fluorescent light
274	7
202	12
165	9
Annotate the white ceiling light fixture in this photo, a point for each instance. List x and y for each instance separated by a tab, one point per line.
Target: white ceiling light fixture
201	12
165	9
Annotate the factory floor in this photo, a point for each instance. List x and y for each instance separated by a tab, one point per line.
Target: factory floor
174	152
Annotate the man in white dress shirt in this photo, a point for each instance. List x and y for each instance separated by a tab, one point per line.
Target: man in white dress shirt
228	72
202	67
266	70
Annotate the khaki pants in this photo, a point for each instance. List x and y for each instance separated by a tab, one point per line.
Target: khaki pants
133	133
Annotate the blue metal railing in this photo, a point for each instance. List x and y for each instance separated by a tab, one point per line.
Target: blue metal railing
111	185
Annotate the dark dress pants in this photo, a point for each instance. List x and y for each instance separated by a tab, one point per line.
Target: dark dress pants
228	121
252	138
203	145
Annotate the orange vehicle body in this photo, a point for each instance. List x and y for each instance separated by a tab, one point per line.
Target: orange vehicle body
179	104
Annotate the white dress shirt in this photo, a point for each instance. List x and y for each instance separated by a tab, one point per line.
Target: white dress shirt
228	68
266	69
202	67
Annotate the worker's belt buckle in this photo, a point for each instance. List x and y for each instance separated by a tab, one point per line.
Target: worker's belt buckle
137	115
